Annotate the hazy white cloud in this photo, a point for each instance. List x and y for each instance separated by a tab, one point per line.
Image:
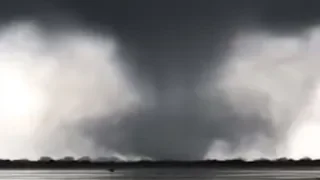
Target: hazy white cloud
50	82
273	78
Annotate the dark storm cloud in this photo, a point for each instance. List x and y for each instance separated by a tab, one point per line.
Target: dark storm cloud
173	43
177	40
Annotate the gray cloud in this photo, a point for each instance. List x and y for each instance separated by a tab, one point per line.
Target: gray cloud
207	80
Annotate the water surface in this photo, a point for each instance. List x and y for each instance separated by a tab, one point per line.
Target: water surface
159	174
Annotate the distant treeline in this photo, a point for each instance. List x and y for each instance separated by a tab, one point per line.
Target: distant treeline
105	163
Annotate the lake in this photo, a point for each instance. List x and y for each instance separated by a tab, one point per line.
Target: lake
159	174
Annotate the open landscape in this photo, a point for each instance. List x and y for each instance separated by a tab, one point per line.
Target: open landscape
159	89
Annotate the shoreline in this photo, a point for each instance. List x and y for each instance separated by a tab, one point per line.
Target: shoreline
210	164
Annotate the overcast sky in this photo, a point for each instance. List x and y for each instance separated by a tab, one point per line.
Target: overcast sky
174	50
